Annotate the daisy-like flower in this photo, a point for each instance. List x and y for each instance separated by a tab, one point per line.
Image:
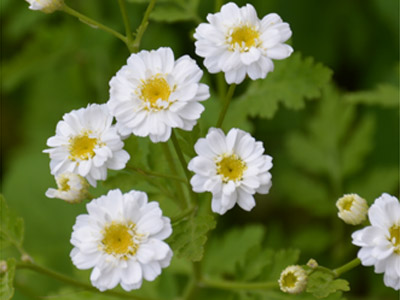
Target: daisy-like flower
237	43
380	242
352	208
46	6
293	280
232	167
154	93
72	188
87	144
121	238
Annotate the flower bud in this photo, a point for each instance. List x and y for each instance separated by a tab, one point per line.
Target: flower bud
353	209
72	188
46	6
293	280
312	263
3	266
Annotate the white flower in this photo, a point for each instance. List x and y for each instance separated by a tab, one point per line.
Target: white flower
352	209
121	238
380	242
154	93
87	144
72	188
232	168
236	42
46	6
293	280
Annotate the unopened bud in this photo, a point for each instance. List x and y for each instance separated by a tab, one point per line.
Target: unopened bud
46	6
353	209
312	263
293	280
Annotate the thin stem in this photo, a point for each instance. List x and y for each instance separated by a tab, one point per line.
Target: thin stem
142	27
347	267
234	285
182	215
92	23
172	166
156	174
77	283
179	153
128	31
228	98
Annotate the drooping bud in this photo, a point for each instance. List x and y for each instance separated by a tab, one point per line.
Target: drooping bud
46	6
353	209
72	188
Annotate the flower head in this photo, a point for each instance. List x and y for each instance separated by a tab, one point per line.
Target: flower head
380	242
352	209
46	6
237	43
121	238
293	280
154	93
86	144
232	167
72	188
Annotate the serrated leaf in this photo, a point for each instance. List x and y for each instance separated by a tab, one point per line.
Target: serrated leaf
189	237
293	81
385	95
7	281
322	283
11	227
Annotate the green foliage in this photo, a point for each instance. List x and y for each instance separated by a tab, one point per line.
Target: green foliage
7	280
175	11
321	283
384	95
11	227
189	236
187	139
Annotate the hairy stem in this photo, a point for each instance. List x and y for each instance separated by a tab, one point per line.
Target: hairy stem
347	267
227	99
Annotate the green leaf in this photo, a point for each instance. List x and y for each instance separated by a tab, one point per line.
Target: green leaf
189	237
6	280
175	11
278	261
293	81
385	95
11	227
322	283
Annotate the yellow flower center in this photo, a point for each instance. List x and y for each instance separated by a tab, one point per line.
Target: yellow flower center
82	147
231	168
245	37
118	239
347	203
395	237
289	280
153	89
63	184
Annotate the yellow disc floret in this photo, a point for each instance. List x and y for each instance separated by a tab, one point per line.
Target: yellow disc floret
244	37
82	147
153	89
118	239
231	167
395	237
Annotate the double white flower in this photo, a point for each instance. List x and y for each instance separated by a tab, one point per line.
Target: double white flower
237	43
121	238
154	93
380	242
71	187
232	167
87	144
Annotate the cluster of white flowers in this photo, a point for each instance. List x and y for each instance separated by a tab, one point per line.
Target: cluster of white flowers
122	235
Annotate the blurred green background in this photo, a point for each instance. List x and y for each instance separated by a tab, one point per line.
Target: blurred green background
52	64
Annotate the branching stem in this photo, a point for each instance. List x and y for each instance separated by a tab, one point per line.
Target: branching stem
227	101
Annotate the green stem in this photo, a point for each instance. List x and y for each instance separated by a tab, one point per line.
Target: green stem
228	98
156	174
77	283
233	285
128	31
347	267
182	215
92	23
142	27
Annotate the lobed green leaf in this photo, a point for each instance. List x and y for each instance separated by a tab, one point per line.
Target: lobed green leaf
385	95
7	280
322	283
11	227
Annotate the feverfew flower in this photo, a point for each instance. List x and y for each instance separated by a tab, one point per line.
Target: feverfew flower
46	6
352	209
87	144
154	93
72	188
121	238
293	280
237	43
232	167
380	242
